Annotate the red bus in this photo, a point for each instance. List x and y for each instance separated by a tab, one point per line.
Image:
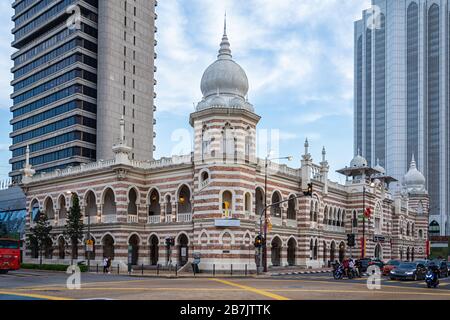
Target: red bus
9	255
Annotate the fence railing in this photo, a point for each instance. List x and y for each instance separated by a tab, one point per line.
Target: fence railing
184	217
154	219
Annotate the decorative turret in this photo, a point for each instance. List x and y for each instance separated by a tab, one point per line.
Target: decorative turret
27	171
414	180
306	166
324	169
121	149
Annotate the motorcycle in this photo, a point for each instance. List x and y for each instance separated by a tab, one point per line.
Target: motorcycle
338	272
431	279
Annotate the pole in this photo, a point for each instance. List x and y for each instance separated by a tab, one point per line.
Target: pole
265	218
89	238
363	244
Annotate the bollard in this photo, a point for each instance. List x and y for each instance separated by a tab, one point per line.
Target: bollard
176	270
214	270
245	270
232	270
157	269
118	269
142	269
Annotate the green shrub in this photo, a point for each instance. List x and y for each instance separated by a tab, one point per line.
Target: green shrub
49	267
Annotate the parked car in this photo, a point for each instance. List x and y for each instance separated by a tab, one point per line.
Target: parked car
442	267
377	262
409	270
363	264
390	265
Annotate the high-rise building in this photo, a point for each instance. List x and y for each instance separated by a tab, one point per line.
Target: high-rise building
80	66
402	93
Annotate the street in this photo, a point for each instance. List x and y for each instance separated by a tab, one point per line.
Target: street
42	285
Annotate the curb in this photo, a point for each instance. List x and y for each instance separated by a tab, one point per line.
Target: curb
301	272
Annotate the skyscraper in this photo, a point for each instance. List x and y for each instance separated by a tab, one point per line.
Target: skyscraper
79	67
402	93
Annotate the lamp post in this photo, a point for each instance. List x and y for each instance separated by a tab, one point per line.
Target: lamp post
363	245
289	158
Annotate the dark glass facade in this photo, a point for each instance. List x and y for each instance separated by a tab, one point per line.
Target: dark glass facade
380	92
433	120
367	153
359	94
412	79
55	85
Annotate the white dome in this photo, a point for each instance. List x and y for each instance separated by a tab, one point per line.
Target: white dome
225	78
414	180
378	167
358	161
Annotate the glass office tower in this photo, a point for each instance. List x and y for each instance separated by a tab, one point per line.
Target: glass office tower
402	93
79	67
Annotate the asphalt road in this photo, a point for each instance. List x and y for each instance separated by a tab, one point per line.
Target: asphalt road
52	285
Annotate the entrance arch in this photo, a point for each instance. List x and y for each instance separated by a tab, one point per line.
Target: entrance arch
332	251
291	251
341	251
154	250
108	246
378	254
61	248
134	244
183	252
276	252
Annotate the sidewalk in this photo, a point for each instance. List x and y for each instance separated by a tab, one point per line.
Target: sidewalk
292	271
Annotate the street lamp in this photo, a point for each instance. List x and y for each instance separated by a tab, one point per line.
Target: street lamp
363	244
289	158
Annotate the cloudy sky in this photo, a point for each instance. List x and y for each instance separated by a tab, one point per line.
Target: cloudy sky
298	55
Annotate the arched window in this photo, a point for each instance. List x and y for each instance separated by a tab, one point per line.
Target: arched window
247	204
228	143
407	229
184	200
109	202
315	250
316	211
275	210
311	249
311	210
325	215
259	201
132	200
90	204
420	233
291	215
248	141
378	219
49	209
434	229
227	205
154	208
62	207
168	205
206	143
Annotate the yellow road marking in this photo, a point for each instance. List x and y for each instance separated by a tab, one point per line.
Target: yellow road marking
359	291
53	286
252	289
30	295
133	289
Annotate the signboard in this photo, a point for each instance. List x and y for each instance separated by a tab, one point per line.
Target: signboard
89	246
227	223
183	251
379	238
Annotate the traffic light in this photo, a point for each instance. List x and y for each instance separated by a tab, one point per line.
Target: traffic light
258	241
309	191
351	240
170	241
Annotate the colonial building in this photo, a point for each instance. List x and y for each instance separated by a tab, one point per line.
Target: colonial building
211	200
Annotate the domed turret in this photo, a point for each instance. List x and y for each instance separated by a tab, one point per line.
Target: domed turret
379	168
358	161
414	180
225	78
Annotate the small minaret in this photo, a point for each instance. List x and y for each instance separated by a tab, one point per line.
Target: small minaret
27	171
121	150
324	169
306	166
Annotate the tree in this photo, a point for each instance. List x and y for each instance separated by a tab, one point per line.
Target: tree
74	226
39	235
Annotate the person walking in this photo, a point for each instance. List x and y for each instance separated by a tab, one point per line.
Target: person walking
108	264
105	265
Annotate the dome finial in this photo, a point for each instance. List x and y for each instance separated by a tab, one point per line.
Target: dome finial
225	51
413	162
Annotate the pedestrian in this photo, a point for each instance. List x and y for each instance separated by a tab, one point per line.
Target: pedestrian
109	262
345	264
351	265
105	264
